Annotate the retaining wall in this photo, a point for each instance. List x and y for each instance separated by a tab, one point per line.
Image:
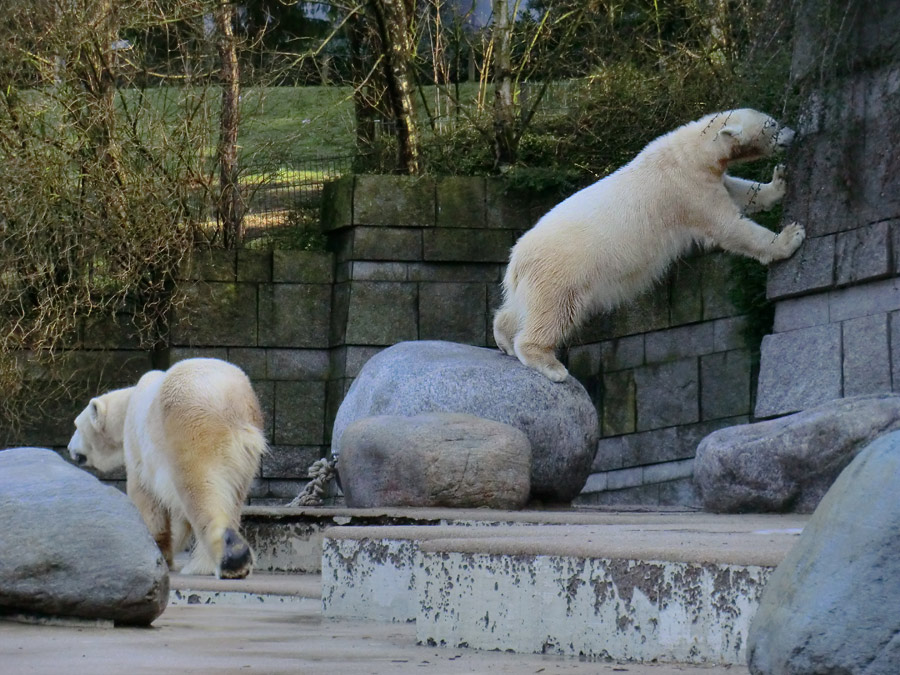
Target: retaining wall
416	259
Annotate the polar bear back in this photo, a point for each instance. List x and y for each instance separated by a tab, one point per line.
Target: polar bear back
198	403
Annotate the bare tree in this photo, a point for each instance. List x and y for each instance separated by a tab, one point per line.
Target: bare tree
230	207
394	20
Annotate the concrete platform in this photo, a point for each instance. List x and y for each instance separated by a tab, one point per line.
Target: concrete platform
638	587
596	592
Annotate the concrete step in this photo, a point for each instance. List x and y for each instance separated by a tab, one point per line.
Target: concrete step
301	590
670	587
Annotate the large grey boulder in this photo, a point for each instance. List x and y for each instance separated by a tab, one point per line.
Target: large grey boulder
789	463
833	604
436	459
410	378
71	546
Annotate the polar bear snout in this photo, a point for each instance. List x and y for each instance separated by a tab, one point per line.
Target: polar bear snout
784	137
74	449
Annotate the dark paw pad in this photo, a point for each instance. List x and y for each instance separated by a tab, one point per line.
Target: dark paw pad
238	557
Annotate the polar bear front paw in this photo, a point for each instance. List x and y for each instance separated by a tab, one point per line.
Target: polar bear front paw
789	240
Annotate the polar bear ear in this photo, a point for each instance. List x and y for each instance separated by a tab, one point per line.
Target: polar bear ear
731	131
98	412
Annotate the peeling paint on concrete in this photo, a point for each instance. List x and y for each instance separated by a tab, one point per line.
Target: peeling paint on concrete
593	608
371	579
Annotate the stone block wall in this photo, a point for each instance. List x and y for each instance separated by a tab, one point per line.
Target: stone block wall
664	372
269	314
837	314
419	259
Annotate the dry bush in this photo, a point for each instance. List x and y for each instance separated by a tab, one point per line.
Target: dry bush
95	200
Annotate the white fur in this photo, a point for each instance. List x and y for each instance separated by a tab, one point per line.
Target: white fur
191	440
605	244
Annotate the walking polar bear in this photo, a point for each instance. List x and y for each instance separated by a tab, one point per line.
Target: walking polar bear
191	440
605	244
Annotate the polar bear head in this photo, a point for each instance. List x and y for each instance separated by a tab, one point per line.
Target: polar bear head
99	430
745	134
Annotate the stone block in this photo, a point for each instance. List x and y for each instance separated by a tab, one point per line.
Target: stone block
177	354
462	245
802	312
290	461
681	342
584	361
304	267
251	361
337	203
894	327
615	452
799	369
667	394
488	273
386	243
862	254
209	265
685	292
382	313
895	243
461	202
265	393
340	308
625	478
621	353
648	312
618	406
254	266
354	358
299	413
867	361
811	268
596	482
730	333
104	331
452	312
876	297
294	315
668	471
297	364
681	492
640	495
341	243
507	210
216	314
282	491
725	384
398	201
378	271
716	274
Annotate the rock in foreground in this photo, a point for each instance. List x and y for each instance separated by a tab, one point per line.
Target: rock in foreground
71	546
435	459
833	604
789	463
411	378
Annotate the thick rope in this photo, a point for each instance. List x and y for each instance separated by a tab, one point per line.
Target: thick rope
322	472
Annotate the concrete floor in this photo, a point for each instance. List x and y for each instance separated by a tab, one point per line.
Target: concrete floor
272	638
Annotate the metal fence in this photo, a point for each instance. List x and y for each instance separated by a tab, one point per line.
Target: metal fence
283	195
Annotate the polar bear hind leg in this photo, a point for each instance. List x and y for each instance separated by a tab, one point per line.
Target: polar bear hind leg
547	324
506	324
213	489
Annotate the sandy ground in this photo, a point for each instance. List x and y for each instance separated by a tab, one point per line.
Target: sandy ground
272	638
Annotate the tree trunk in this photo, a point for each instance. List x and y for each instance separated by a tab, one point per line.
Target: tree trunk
504	113
230	215
394	19
363	107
